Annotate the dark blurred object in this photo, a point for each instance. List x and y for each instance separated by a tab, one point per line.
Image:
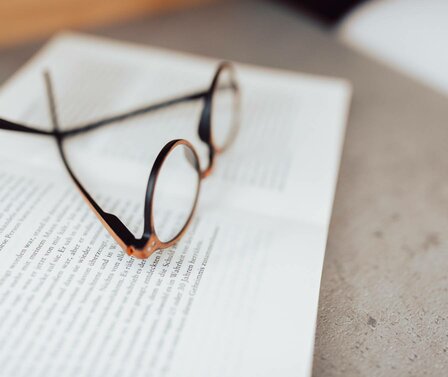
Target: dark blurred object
329	11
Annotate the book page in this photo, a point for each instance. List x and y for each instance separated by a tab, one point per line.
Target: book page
237	296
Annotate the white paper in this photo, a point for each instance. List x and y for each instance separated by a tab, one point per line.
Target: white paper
238	295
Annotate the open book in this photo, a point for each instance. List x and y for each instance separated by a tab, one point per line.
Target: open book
238	295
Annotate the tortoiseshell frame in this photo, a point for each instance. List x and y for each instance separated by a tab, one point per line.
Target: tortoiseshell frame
144	246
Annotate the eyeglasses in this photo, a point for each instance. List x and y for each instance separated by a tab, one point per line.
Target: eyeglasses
177	163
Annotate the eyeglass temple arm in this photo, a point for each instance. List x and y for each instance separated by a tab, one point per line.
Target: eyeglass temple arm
112	223
138	111
11	126
133	113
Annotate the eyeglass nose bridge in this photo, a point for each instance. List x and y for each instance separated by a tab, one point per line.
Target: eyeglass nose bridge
207	172
210	167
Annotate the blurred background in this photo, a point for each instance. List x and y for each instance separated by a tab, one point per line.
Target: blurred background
409	35
29	19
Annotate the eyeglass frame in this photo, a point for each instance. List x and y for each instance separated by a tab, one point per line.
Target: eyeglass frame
149	242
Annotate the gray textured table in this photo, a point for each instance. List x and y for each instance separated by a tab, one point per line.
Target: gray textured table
384	297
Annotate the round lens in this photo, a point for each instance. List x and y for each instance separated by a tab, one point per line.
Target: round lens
175	192
225	109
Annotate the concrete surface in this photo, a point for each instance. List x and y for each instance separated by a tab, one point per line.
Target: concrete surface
383	306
